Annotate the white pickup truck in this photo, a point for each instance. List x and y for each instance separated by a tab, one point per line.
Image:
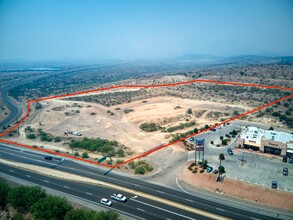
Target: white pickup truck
119	197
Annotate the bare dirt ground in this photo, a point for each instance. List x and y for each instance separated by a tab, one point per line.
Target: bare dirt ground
239	189
93	120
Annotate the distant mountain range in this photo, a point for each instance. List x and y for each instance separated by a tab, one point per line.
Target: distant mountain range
245	59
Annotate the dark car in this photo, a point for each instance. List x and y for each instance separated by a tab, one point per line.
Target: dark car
228	135
48	158
290	160
215	171
213	129
209	169
285	159
230	152
285	171
274	184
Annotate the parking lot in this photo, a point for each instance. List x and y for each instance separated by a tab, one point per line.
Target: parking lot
258	169
248	166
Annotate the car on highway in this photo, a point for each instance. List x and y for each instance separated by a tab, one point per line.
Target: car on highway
274	184
290	160
119	197
230	152
215	172
48	158
285	171
106	202
209	169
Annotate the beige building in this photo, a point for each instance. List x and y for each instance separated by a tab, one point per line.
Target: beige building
266	141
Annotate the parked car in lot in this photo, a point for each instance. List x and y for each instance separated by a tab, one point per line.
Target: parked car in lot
213	129
191	139
228	135
48	158
274	184
215	172
209	169
230	152
119	197
290	160
285	171
285	159
106	202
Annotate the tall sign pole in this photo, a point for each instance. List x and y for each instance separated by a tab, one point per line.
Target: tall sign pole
195	154
199	146
202	153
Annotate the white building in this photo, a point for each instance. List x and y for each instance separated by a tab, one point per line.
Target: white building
267	141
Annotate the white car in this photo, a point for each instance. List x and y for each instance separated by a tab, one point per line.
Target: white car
106	202
119	197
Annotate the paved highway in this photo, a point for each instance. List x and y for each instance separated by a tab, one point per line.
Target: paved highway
15	111
144	208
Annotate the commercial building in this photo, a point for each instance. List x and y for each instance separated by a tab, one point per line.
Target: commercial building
266	141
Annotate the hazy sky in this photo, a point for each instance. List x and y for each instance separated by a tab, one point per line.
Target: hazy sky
84	29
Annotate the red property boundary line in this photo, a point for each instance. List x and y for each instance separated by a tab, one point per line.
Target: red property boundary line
144	87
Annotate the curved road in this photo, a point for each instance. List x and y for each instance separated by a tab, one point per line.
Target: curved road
15	111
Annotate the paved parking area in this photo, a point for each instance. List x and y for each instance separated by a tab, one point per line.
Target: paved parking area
256	168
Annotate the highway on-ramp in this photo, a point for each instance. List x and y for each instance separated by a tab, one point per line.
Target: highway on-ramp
141	207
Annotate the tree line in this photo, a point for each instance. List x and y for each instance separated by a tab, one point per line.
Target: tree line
33	201
100	145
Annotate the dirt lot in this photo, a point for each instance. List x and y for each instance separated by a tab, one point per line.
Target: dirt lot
239	189
94	120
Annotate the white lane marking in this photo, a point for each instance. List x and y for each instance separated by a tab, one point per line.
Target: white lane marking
67	187
160	191
254	218
27	175
181	187
140	209
89	201
168	219
156	207
135	184
112	178
11	171
189	200
92	173
46	181
71	168
223	210
89	193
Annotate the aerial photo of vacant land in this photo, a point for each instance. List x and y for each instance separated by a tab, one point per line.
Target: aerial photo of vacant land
149	110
